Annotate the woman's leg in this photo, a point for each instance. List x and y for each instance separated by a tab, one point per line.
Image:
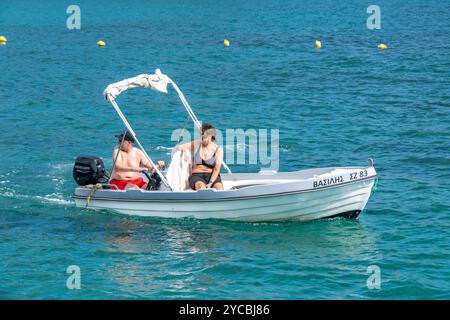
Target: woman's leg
218	186
200	185
218	183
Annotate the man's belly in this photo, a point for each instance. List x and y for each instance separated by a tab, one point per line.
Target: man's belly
125	176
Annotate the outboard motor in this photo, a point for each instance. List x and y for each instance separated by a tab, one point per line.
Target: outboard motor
89	170
154	180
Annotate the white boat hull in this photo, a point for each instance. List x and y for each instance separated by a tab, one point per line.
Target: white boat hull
345	199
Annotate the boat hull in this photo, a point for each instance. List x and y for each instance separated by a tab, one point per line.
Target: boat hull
293	202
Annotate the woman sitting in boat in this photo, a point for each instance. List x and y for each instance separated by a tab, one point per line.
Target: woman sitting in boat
128	161
207	159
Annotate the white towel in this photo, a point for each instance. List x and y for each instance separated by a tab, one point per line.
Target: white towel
179	171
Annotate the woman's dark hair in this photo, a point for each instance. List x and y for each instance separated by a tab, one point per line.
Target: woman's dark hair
207	128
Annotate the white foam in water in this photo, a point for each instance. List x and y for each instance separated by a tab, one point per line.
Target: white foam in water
54	198
49	198
8	194
169	149
164	148
60	166
237	147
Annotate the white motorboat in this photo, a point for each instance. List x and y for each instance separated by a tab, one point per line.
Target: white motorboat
266	196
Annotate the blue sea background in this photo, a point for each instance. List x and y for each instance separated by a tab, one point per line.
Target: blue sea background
336	106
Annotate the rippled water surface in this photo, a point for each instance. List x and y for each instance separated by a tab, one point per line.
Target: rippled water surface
335	106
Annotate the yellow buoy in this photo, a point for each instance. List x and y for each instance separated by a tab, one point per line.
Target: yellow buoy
101	43
226	43
3	40
318	44
382	46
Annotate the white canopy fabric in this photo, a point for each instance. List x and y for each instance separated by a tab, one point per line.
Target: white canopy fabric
157	82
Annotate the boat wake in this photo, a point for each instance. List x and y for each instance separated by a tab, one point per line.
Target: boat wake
52	182
53	198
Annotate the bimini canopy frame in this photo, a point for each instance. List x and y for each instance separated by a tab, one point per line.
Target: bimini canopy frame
157	82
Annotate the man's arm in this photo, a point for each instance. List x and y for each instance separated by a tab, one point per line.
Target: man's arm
144	161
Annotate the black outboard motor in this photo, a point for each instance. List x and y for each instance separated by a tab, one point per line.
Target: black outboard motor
154	180
89	170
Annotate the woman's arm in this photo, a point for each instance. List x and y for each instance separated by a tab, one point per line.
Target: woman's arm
186	149
216	171
185	146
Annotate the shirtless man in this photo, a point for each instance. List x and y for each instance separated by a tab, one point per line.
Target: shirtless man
128	164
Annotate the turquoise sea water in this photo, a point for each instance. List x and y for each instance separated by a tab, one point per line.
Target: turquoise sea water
335	106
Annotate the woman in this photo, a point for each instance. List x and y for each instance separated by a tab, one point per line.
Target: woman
207	160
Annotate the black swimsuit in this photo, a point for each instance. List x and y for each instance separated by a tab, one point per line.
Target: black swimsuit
210	163
203	176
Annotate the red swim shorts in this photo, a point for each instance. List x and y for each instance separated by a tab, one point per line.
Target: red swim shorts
121	184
